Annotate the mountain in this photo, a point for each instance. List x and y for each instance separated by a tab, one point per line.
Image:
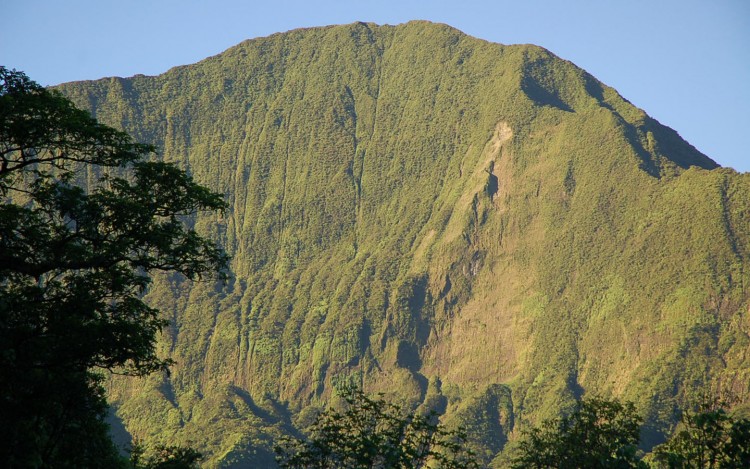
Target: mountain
483	229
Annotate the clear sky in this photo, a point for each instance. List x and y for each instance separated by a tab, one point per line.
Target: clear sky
685	62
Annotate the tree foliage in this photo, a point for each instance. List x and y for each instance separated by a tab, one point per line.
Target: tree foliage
84	220
371	433
598	433
708	437
164	457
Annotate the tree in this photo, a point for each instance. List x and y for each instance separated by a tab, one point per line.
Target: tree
84	220
370	433
164	457
708	438
598	433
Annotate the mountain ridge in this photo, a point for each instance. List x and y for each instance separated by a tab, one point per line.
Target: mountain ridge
407	202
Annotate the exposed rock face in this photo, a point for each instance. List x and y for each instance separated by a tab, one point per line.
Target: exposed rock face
480	228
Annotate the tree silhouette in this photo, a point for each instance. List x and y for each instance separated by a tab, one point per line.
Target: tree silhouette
84	220
598	433
371	433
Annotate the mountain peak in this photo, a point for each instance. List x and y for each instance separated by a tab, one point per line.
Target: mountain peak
410	205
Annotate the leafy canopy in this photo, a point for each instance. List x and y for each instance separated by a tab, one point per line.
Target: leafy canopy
371	433
598	433
708	437
164	457
84	220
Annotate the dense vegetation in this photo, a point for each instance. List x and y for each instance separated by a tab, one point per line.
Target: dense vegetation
479	229
74	262
707	437
602	433
371	433
597	433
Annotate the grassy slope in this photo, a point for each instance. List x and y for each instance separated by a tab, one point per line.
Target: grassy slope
456	223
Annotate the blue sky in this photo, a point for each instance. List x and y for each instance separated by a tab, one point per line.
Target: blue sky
685	62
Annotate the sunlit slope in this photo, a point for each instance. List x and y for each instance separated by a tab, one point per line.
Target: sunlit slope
483	228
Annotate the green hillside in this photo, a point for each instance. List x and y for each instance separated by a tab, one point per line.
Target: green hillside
480	228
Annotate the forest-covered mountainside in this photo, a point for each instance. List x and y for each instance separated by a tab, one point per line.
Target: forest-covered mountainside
481	229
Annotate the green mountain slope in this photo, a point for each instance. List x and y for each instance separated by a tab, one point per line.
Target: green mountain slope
483	228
